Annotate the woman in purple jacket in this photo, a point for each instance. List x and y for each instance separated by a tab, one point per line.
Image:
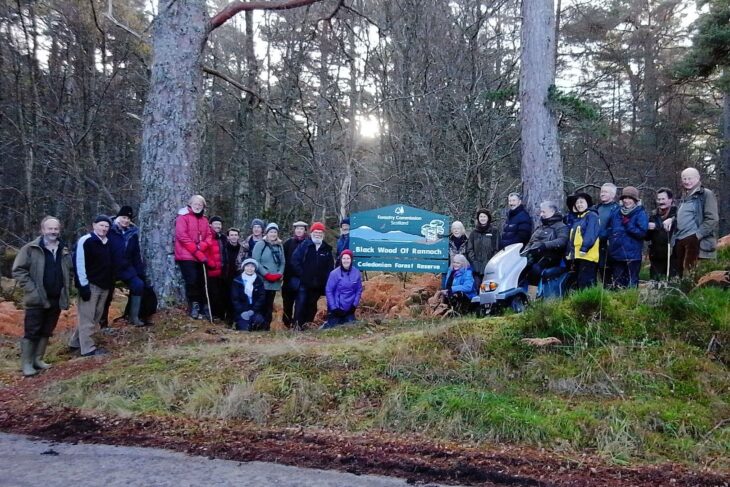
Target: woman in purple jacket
344	288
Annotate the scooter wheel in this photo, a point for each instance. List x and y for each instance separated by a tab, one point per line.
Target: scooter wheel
518	304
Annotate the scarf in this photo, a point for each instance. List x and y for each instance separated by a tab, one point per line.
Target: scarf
479	228
248	285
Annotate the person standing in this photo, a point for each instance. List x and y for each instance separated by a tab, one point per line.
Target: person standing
214	267
605	209
288	294
697	223
42	268
626	231
269	253
457	240
518	225
233	254
193	238
662	225
343	290
482	244
583	243
343	241
257	234
94	272
128	264
312	264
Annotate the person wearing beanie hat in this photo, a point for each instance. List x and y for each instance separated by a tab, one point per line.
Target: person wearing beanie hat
94	276
257	234
248	297
482	243
626	231
583	242
128	266
312	263
288	295
343	242
269	253
193	239
343	291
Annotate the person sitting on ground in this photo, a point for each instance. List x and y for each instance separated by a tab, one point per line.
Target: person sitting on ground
457	240
482	244
457	287
269	253
583	246
343	291
249	298
546	246
626	231
257	234
518	225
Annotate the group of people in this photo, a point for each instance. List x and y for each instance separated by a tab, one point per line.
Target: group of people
237	281
606	239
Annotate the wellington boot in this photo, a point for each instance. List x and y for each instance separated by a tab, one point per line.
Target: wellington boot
134	304
40	352
531	293
27	349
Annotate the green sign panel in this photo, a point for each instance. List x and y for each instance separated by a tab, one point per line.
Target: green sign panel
389	264
400	238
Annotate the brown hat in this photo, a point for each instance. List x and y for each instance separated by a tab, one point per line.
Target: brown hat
630	192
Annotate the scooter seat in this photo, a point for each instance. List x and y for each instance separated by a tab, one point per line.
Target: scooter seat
553	272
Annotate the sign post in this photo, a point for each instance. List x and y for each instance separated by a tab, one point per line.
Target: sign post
400	238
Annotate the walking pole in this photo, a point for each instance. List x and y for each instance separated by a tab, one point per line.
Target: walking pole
207	296
669	258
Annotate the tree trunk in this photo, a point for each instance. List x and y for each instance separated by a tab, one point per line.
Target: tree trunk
171	137
542	170
725	168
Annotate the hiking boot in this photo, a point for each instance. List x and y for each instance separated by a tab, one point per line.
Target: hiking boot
40	352
27	350
95	353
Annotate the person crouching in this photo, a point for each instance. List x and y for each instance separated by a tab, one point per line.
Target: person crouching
249	298
458	287
344	289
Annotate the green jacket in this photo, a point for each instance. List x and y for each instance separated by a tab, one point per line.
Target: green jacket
28	269
271	261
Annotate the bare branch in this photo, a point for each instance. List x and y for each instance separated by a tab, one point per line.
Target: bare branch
238	6
232	81
109	14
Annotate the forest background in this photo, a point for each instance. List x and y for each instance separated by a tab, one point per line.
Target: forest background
319	111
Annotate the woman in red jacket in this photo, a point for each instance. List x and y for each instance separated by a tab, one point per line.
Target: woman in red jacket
193	240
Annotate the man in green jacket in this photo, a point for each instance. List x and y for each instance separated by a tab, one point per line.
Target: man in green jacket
697	222
43	270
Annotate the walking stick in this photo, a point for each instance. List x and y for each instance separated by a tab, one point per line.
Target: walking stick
207	296
669	257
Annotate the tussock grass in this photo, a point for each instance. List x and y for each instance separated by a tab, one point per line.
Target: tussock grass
631	381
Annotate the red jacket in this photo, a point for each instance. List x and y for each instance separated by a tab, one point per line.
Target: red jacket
215	259
193	237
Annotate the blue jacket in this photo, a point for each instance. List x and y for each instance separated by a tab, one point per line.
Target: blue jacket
605	212
344	289
590	230
126	252
517	228
343	243
626	234
463	281
240	300
312	267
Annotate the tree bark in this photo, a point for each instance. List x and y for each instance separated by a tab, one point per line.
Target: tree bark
542	170
725	168
171	138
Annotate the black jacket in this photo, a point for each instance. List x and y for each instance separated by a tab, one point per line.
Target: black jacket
241	302
554	234
517	228
291	244
659	238
311	266
93	262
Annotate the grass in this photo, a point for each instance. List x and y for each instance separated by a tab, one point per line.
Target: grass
632	380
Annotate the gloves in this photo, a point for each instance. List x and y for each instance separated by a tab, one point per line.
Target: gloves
246	315
85	292
271	277
542	247
200	256
337	312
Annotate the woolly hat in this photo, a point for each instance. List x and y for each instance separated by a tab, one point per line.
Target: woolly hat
345	221
215	219
630	192
250	261
570	202
126	211
271	226
103	218
259	222
347	252
299	224
317	226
